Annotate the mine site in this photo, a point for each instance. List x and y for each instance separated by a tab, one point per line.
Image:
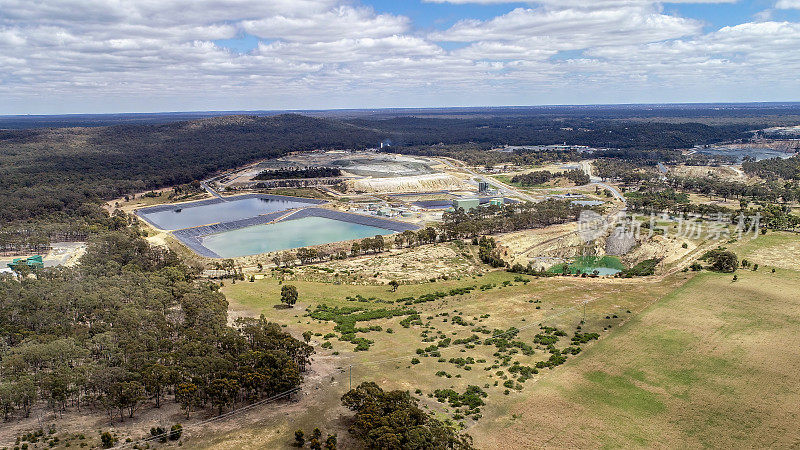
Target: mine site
257	213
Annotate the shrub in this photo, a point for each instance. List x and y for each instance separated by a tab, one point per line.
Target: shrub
107	440
175	432
722	260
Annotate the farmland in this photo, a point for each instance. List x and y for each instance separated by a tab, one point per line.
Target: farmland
673	359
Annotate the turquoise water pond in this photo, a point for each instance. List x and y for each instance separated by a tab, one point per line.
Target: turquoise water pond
285	235
603	271
235	209
605	266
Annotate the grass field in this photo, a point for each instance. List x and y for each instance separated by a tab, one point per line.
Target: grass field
500	301
713	364
698	361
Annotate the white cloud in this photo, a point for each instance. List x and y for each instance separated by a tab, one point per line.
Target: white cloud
561	29
328	25
580	3
109	55
788	4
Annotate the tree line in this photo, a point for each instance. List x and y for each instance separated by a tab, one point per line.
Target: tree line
575	130
132	328
458	224
299	172
773	168
61	176
577	176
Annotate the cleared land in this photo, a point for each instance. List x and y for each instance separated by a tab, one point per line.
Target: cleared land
686	367
504	302
712	364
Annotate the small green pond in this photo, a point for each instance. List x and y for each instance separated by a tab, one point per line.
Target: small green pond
605	265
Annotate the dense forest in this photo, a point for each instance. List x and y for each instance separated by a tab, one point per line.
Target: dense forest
131	329
393	420
774	168
298	172
576	176
58	171
55	178
405	131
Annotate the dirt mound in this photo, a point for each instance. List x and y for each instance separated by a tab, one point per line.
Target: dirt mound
620	242
667	248
417	183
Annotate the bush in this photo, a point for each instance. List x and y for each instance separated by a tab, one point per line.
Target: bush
107	440
722	260
175	432
644	268
159	433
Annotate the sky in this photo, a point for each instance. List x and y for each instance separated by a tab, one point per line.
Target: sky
105	56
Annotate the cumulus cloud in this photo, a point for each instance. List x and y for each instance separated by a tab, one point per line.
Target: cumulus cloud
580	3
788	4
110	55
581	27
332	24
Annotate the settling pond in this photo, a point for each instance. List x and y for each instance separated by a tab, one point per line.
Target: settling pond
204	212
253	224
304	232
604	266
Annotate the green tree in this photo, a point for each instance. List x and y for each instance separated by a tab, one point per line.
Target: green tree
331	442
155	378
188	395
289	295
722	260
392	420
222	393
107	440
175	432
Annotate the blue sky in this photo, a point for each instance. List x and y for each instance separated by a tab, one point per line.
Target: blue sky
85	56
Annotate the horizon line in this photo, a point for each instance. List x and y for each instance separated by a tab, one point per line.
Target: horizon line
400	108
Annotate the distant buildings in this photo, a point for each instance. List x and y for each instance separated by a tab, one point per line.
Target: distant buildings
467	203
543	148
33	262
499	201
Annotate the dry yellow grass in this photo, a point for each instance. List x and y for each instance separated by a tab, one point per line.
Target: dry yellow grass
712	365
560	298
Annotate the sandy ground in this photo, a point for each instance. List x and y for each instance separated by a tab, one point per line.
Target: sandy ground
786	256
61	254
410	265
416	183
667	248
723	172
542	246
